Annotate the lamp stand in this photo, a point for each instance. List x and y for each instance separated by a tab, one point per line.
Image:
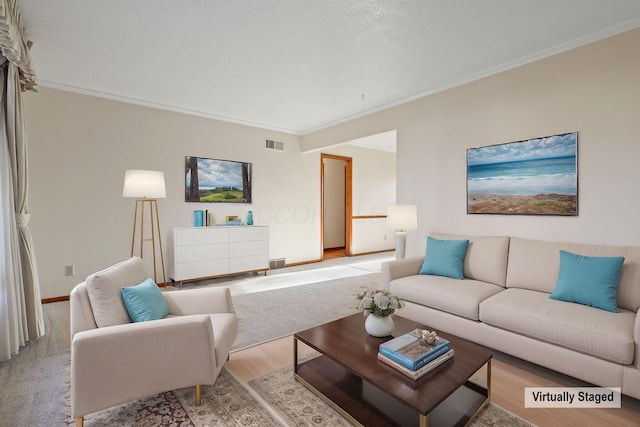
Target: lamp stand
401	243
155	229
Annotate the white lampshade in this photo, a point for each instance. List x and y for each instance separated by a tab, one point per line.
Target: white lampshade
143	183
402	217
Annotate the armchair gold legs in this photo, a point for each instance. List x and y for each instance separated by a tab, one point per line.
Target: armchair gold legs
79	421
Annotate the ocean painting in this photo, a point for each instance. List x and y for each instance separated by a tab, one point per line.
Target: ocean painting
533	177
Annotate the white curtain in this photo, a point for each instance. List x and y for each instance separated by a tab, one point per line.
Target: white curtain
21	316
14	44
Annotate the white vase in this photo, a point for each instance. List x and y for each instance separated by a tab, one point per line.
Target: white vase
378	326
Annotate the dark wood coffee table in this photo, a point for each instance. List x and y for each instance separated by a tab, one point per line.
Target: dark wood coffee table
367	392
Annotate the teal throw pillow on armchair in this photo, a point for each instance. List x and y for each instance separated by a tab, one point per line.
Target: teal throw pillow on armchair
591	281
445	258
145	301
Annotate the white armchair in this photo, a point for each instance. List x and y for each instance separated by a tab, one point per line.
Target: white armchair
119	361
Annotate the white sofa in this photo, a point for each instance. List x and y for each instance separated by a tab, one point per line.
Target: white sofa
503	303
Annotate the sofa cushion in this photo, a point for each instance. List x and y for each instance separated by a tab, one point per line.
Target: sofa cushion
459	297
104	291
145	302
578	327
444	258
590	281
486	258
534	265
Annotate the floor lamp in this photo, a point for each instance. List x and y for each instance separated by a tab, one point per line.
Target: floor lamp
147	186
402	218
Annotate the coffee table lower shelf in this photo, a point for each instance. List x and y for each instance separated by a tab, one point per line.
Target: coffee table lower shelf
363	404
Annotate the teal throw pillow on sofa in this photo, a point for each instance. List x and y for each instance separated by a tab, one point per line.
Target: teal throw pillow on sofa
445	258
591	281
145	301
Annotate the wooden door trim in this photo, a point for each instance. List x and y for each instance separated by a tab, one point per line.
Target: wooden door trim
348	203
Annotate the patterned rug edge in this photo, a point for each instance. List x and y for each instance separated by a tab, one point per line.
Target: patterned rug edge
227	403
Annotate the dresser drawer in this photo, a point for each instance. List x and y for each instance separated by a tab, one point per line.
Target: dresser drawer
244	234
201	236
201	252
256	247
196	270
249	263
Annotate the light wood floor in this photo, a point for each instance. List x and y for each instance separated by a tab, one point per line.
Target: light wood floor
509	378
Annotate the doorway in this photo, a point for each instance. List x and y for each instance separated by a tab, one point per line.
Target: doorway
336	209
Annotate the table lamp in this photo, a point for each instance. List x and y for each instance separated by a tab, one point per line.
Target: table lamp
402	218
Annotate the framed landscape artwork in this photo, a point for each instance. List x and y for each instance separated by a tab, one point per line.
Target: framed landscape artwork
217	181
532	177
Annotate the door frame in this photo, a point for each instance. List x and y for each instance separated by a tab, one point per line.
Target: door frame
348	202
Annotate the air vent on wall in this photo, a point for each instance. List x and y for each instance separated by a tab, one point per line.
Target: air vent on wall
270	144
277	263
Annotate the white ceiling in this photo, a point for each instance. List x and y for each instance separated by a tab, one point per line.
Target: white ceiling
299	65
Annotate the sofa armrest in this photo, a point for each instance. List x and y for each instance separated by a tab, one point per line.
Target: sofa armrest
117	364
393	270
81	314
199	301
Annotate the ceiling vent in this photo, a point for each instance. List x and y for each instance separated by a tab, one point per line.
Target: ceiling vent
270	144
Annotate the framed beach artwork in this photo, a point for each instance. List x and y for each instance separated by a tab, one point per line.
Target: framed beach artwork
532	177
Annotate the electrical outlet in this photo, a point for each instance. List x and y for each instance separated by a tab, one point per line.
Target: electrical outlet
69	270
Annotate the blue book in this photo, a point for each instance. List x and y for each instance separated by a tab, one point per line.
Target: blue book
413	352
198	217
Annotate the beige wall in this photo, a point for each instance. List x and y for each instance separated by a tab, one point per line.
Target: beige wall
594	90
80	146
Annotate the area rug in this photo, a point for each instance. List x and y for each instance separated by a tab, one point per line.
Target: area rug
275	399
268	315
224	404
300	407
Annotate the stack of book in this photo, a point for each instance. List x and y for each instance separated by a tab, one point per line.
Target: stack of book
413	356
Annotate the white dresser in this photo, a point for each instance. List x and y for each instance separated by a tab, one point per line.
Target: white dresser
203	252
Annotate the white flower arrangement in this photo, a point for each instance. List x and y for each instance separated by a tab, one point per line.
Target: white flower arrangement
378	302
